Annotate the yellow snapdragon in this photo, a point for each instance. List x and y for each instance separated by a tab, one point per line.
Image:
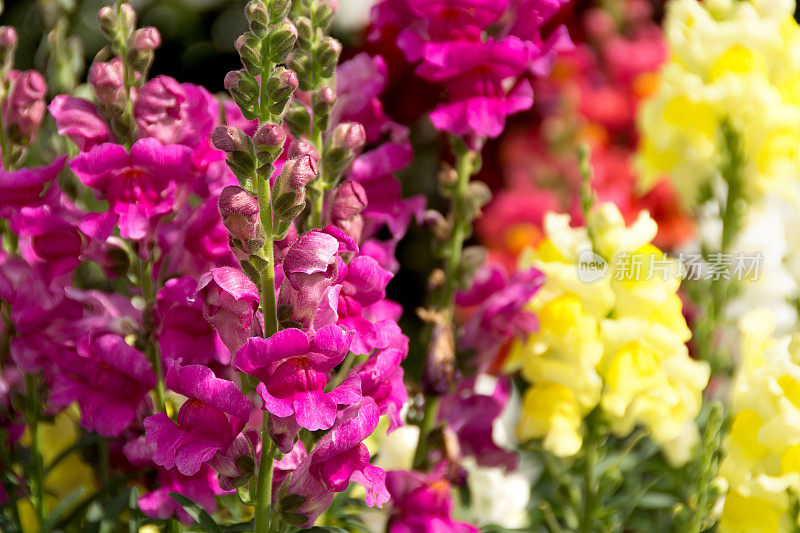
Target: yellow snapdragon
761	463
732	61
617	341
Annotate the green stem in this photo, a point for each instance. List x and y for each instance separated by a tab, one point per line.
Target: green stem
462	224
264	483
591	485
6	463
269	308
37	467
426	426
146	284
102	448
321	181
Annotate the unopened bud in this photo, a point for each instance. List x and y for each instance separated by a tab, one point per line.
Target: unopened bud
278	9
328	56
289	191
257	17
107	19
8	42
301	148
324	11
297	119
269	140
240	216
305	31
439	374
302	64
241	152
106	81
242	86
349	135
280	86
25	107
146	39
322	101
249	48
127	18
345	207
281	41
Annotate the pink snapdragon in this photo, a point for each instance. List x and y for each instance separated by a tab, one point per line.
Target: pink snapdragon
293	369
108	378
207	423
230	300
28	187
363	284
140	186
180	327
339	458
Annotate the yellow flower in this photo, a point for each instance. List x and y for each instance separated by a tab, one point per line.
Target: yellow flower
761	462
617	341
735	62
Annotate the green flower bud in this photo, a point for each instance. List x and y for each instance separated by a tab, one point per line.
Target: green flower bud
281	41
249	48
257	17
107	20
297	119
278	9
328	56
323	13
242	86
305	32
280	86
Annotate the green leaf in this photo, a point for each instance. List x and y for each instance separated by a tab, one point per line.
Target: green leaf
325	529
63	506
199	514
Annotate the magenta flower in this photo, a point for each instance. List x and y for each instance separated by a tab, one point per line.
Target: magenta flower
382	376
339	458
345	206
108	378
207	422
421	503
28	187
230	300
201	488
180	327
310	266
140	186
196	241
174	113
363	284
501	315
293	369
24	106
471	411
79	120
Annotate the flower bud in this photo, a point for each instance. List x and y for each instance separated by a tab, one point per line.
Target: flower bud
8	43
305	31
249	48
301	63
322	101
106	81
324	11
345	141
242	86
344	210
127	19
107	19
301	148
257	17
328	56
289	191
280	86
281	41
241	152
240	216
24	107
269	140
297	119
236	466
278	9
147	38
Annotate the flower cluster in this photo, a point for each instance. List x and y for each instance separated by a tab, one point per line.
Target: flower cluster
761	463
482	53
733	63
608	342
